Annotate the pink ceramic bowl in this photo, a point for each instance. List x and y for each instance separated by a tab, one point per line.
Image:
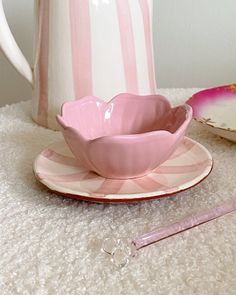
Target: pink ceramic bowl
126	137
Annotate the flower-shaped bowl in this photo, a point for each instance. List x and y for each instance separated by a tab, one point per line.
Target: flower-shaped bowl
125	138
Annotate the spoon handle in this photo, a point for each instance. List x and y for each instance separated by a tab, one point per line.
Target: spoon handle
183	225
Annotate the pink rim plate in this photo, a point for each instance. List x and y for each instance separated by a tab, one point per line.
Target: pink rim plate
57	169
215	110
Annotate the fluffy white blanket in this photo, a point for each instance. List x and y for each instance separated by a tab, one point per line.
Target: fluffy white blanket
52	245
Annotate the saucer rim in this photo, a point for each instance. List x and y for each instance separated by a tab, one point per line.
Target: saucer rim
124	198
117	201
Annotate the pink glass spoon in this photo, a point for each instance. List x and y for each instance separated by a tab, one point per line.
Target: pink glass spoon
182	225
121	251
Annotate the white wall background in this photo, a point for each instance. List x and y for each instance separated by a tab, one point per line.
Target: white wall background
195	44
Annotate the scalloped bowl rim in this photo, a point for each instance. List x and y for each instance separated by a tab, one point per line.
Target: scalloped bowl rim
185	106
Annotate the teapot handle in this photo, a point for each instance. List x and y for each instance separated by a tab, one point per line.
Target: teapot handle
11	50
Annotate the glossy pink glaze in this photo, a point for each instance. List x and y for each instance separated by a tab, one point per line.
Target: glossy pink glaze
125	138
207	96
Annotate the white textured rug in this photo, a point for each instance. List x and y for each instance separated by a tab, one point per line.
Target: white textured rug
51	245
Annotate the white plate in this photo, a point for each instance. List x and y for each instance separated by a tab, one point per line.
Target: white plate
215	110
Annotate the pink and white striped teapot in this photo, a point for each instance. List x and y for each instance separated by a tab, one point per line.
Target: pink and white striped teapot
85	47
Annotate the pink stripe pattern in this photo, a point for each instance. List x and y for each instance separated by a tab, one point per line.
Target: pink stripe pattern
43	62
149	44
61	159
83	63
182	169
67	177
191	164
149	184
128	47
183	148
81	47
113	186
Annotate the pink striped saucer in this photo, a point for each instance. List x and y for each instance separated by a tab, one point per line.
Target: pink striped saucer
56	168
